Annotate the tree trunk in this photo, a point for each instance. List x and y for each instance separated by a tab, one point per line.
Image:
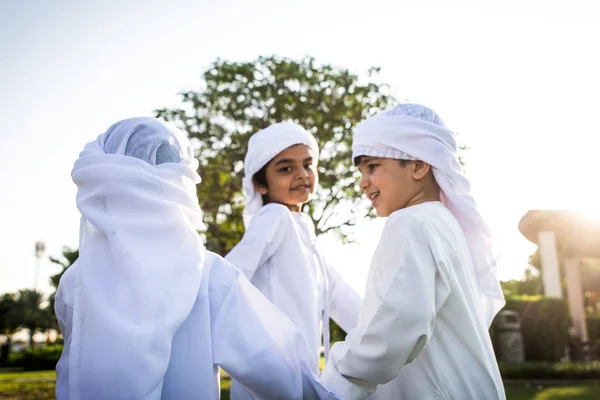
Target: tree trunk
5	351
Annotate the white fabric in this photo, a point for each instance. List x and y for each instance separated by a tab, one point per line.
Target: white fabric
148	139
140	223
263	146
230	325
137	310
419	132
382	152
278	254
419	332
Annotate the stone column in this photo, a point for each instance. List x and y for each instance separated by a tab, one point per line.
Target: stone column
550	266
575	295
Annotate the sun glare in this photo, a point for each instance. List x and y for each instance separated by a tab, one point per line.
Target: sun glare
589	210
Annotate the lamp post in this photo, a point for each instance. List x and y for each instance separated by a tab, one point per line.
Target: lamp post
40	248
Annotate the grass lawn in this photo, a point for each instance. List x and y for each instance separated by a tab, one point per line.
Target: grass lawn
225	383
26	375
40	386
531	392
27	385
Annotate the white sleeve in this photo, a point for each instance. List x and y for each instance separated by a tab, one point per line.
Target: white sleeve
396	321
344	302
261	240
259	346
64	315
60	310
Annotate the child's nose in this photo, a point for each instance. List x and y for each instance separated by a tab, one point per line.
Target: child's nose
303	173
364	183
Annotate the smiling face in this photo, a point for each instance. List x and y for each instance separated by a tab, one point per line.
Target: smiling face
290	178
392	184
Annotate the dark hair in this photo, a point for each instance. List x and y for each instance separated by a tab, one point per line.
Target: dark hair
403	163
260	178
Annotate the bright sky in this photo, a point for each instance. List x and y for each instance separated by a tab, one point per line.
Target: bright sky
519	80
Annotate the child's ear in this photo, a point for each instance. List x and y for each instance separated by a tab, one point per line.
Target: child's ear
420	170
261	189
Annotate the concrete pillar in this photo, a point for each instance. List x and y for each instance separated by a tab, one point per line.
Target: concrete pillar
575	295
550	266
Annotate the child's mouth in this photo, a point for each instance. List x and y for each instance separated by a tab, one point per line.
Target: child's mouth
373	197
301	188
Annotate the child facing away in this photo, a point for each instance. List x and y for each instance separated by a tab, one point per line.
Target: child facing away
146	311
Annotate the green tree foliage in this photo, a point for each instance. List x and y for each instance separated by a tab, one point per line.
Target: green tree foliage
10	321
32	315
236	99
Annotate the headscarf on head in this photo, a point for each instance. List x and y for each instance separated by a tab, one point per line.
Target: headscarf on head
140	257
263	146
415	132
147	139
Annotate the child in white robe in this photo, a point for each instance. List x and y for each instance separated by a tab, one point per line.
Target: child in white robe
431	290
146	312
278	252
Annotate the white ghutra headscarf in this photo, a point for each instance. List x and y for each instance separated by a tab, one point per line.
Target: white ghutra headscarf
263	146
140	258
414	132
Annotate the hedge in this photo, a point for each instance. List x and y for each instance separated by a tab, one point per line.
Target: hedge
37	359
544	326
560	370
593	324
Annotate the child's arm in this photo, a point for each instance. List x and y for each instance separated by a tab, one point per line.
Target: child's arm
261	240
344	302
404	292
257	345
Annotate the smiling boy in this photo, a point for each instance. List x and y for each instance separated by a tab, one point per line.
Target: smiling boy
431	291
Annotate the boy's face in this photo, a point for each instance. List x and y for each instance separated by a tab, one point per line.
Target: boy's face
391	184
291	177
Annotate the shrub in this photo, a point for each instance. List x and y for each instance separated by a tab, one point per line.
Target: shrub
544	326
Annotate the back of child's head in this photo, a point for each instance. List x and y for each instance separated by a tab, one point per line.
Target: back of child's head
148	139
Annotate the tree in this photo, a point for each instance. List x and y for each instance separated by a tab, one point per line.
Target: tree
236	99
68	258
10	322
21	310
532	280
32	316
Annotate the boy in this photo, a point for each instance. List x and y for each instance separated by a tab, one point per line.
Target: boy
431	292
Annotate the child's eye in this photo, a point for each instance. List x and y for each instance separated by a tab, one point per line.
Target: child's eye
285	169
371	167
308	166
